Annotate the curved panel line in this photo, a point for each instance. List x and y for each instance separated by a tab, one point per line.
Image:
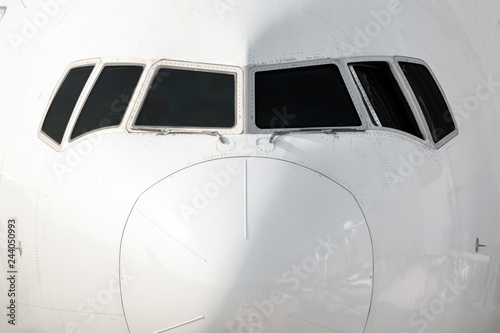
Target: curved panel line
311	323
179	325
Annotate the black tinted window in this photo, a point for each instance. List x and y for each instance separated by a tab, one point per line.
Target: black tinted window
305	97
188	98
64	102
386	97
108	99
430	99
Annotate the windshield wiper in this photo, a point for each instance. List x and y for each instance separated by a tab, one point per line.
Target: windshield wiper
164	131
276	134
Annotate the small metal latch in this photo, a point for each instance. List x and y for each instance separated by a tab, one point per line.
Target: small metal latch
478	245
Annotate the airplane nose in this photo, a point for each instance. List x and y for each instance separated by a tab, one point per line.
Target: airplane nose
246	245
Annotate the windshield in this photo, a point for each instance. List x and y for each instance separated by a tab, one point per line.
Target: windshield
189	98
305	97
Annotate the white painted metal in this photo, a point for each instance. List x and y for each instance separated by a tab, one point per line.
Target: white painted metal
91	263
299	260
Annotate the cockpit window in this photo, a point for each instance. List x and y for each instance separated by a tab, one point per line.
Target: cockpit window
110	97
430	99
189	98
385	97
61	108
305	97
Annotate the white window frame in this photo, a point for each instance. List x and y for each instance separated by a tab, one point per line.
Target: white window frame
419	118
252	126
99	64
409	95
83	63
239	83
406	84
122	127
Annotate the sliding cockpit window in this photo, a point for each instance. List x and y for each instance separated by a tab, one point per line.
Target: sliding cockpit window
188	98
384	97
62	106
430	99
108	100
303	97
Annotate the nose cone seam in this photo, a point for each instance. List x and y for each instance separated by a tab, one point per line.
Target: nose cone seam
260	232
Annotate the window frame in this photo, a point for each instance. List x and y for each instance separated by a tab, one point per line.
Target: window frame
86	89
99	64
414	101
398	76
181	65
251	126
244	97
108	62
393	62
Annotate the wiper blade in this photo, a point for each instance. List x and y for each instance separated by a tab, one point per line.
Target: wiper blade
211	133
276	134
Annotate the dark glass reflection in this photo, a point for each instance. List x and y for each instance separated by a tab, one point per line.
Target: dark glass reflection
304	97
64	102
108	100
386	97
189	98
430	99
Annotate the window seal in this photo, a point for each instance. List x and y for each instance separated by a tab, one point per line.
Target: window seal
83	63
99	64
414	101
252	128
105	62
164	63
405	89
365	97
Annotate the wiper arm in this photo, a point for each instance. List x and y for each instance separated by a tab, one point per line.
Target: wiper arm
275	135
214	133
211	133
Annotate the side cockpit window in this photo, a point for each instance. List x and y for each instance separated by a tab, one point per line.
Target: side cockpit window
303	97
430	99
186	98
403	94
64	102
386	102
94	94
108	100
